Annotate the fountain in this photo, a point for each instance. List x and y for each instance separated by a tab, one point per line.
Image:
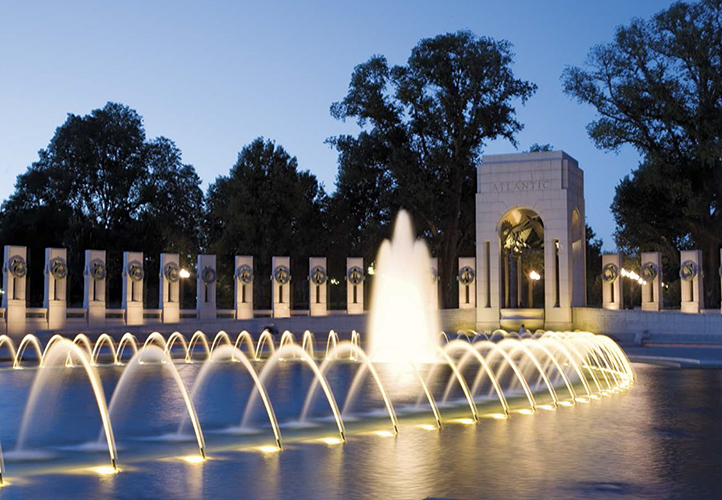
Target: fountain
403	326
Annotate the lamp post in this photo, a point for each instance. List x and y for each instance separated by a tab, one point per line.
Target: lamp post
533	278
183	274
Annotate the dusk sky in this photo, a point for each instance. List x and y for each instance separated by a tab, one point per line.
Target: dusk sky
212	76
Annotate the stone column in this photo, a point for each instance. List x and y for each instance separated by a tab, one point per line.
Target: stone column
434	295
281	286
244	287
95	273
467	282
355	277
651	273
612	290
206	287
691	277
169	282
133	277
317	286
56	285
15	271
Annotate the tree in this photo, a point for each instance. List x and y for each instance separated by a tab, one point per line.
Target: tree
537	148
101	184
658	88
266	206
429	120
594	268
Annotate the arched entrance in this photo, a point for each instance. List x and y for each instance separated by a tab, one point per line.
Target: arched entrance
530	218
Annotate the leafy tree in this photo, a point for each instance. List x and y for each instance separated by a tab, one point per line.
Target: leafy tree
266	206
658	88
594	268
537	148
101	184
428	121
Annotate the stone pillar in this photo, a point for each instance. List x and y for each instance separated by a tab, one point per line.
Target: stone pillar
467	282
169	299
95	273
318	286
15	271
281	286
206	287
56	287
133	277
355	277
690	273
612	290
434	295
651	273
244	287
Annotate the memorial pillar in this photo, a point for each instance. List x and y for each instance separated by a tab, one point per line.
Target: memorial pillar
355	277
281	286
56	286
169	300
244	286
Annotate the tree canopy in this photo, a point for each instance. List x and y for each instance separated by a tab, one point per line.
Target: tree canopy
424	125
658	88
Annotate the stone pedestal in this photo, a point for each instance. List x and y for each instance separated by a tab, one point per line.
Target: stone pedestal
206	287
56	287
281	286
133	278
467	282
612	289
95	274
651	272
169	289
318	286
355	277
244	277
15	270
692	284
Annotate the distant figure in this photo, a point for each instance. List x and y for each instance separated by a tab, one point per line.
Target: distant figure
522	330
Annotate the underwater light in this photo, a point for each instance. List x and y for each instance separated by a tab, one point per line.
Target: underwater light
268	449
464	421
331	441
194	459
428	427
384	433
105	470
526	411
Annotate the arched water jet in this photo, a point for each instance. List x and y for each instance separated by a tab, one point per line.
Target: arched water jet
307	344
59	352
245	338
159	355
198	337
582	359
558	345
103	339
460	334
519	345
471	353
32	340
462	382
220	337
331	343
177	337
82	339
444	337
510	363
265	338
127	339
536	344
296	350
50	344
236	355
156	339
341	348
5	340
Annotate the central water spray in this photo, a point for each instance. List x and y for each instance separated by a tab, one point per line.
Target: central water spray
403	322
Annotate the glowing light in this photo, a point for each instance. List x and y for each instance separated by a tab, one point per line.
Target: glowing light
497	416
582	400
464	421
184	273
546	407
371	271
526	411
632	276
428	427
105	470
268	449
331	441
565	403
384	433
534	276
194	459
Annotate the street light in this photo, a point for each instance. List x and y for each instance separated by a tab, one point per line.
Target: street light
183	274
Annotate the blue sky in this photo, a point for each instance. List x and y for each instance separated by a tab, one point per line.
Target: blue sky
212	76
